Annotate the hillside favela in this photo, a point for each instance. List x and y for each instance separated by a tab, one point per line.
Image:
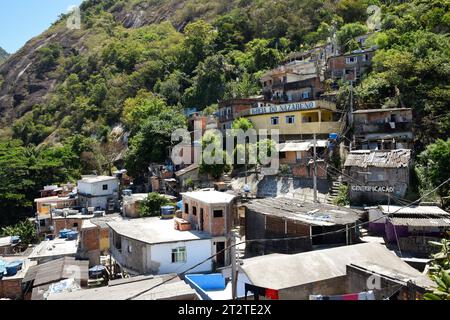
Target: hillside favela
224	150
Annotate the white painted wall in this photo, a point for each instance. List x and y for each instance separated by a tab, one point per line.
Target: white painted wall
196	251
96	188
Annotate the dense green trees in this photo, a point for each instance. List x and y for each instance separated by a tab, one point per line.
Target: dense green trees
25	170
151	206
411	67
433	169
150	144
26	230
215	160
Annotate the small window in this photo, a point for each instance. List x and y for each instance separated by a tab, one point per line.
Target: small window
42	223
218	213
282	155
274	121
75	225
393	117
179	255
290	119
305	95
117	241
194	211
105	187
298	155
350	60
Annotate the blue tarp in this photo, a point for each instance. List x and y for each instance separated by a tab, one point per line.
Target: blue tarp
180	204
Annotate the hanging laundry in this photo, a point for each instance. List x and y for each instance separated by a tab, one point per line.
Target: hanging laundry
272	294
261	292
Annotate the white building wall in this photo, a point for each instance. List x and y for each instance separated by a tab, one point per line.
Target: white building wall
96	188
84	187
196	251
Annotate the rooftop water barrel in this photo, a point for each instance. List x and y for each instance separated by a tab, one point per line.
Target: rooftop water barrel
127	192
63	233
13	267
72	235
15	239
334	136
167	212
2	268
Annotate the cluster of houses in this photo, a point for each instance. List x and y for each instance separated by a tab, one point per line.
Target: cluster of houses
273	242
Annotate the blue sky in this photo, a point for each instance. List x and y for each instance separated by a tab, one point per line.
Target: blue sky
21	20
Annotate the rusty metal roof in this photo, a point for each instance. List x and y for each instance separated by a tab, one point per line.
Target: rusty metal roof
379	158
304	212
56	270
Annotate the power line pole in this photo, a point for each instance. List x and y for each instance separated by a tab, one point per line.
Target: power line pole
233	266
350	116
315	168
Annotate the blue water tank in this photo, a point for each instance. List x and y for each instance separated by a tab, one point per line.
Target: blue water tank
63	233
2	268
13	267
15	239
167	212
72	235
333	136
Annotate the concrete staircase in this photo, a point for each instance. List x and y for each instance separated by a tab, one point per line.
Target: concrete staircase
334	190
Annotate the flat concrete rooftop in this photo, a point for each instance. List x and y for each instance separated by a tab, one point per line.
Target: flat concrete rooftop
154	230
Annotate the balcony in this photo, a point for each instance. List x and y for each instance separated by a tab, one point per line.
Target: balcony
317	127
384	127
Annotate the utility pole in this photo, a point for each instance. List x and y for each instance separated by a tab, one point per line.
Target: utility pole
350	116
233	267
315	168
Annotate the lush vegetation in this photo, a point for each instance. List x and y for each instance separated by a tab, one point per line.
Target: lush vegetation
141	79
151	206
343	196
26	230
433	170
412	66
439	271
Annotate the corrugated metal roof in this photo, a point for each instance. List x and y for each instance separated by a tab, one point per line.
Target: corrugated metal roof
126	288
56	270
423	222
305	212
419	210
294	146
382	159
381	110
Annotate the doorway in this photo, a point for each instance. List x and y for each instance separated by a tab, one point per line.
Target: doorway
202	220
220	258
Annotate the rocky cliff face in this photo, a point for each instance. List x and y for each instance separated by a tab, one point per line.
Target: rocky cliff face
21	87
3	55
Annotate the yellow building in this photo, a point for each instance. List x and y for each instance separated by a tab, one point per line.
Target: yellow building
298	119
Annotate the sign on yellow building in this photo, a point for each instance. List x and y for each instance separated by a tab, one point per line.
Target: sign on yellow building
296	118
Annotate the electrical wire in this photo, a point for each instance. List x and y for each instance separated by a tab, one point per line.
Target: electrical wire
282	239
